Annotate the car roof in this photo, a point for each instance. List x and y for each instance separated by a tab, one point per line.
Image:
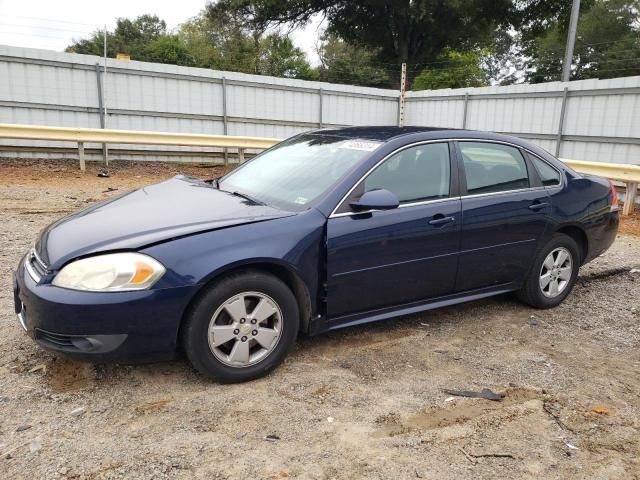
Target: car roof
388	133
380	133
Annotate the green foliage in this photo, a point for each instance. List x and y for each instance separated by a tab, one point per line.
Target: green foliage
342	62
130	37
607	44
453	70
411	31
214	39
446	44
278	57
168	49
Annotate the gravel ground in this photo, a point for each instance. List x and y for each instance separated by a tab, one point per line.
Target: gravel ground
365	402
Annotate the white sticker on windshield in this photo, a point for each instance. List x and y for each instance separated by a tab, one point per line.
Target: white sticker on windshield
363	145
301	200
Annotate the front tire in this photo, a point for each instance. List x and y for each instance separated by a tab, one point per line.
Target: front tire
553	274
241	327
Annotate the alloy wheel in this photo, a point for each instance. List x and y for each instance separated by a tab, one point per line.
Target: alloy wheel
555	273
245	329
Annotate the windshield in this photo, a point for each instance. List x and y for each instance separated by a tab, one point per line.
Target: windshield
297	171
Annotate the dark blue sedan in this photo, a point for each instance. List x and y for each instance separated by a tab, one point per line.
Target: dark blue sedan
325	230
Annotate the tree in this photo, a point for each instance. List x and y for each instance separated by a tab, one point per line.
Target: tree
410	31
607	43
453	70
278	57
342	62
129	36
219	39
168	49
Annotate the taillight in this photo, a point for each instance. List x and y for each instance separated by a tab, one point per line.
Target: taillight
614	196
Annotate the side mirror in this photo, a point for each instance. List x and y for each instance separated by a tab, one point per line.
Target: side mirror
379	199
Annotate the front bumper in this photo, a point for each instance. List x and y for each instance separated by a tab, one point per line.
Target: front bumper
100	326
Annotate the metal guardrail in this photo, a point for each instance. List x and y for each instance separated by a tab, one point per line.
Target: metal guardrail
629	174
95	135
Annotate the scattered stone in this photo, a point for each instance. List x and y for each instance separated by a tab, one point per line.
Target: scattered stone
37	368
78	411
330	419
272	437
103	174
63	471
35	445
22	428
600	410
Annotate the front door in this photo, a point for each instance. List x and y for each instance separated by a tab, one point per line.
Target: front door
385	258
505	211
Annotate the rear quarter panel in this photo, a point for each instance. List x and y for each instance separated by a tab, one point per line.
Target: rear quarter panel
585	202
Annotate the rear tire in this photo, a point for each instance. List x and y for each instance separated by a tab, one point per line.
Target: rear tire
241	327
553	274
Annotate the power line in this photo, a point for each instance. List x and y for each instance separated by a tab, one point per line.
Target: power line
40	27
24	34
52	20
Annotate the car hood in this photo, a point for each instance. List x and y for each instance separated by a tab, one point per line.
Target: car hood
177	207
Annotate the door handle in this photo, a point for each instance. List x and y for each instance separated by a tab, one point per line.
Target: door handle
538	206
440	221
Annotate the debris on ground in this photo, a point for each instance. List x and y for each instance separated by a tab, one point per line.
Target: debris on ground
78	412
485	393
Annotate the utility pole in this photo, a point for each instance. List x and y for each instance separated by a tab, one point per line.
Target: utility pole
403	86
571	40
104	93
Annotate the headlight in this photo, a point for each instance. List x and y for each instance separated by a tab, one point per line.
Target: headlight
112	272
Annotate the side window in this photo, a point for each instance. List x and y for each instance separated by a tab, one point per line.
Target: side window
415	174
548	175
493	167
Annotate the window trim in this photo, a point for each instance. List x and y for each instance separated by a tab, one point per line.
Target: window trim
452	179
457	163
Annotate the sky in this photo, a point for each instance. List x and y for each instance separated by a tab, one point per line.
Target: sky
52	24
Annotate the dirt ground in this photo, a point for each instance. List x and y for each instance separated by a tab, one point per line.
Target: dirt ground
364	402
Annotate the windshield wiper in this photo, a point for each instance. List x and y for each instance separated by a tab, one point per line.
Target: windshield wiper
214	181
247	197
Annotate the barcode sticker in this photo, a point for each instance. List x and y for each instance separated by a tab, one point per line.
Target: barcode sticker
363	145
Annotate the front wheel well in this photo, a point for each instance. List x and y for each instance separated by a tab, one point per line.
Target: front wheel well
291	279
579	236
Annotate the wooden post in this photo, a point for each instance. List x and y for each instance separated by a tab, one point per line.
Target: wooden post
403	86
241	155
630	198
81	155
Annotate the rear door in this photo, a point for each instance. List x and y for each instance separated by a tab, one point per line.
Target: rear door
385	258
505	211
